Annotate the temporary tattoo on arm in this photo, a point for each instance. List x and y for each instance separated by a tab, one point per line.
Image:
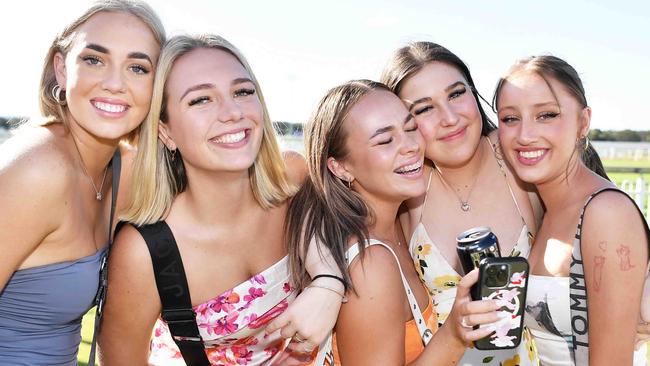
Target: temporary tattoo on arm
602	245
599	262
623	252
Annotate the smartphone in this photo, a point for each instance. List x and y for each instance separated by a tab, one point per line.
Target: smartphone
505	280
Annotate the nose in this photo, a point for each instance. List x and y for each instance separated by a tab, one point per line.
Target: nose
229	111
448	116
527	132
114	80
411	143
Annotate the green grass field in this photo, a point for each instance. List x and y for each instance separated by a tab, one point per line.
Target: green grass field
88	321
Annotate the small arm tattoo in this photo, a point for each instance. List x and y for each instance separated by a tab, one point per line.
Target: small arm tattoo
623	253
599	262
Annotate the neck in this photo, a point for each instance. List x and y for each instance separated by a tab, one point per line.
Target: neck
216	197
95	152
466	173
563	190
383	226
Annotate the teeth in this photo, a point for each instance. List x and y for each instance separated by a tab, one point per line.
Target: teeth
112	108
230	138
409	168
531	154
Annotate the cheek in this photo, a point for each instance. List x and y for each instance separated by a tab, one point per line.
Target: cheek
427	129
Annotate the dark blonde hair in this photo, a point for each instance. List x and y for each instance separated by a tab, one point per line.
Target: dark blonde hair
552	67
158	179
50	108
409	60
326	209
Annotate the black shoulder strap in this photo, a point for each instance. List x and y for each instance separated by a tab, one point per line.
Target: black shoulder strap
174	292
116	167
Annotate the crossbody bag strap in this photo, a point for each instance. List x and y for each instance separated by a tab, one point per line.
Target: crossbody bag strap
174	292
425	333
116	167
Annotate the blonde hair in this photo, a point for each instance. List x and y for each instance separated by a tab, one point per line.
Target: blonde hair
50	108
157	179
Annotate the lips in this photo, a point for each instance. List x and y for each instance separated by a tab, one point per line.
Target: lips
232	138
409	169
531	156
454	134
110	108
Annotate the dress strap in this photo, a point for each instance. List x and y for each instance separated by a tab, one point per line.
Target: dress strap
116	168
425	333
499	160
174	292
426	195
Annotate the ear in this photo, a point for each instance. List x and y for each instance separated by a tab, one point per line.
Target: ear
59	69
339	170
585	121
165	135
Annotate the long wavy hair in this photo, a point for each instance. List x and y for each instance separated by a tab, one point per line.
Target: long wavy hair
326	209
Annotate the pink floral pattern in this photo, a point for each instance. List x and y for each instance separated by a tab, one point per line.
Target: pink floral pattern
232	324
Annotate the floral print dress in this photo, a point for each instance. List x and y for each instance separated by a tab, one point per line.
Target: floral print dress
232	324
441	280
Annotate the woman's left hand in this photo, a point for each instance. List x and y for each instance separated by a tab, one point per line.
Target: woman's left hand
310	317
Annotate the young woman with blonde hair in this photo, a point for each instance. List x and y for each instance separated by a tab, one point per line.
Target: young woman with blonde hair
58	178
211	186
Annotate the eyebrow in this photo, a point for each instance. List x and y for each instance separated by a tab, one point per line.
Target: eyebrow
136	55
195	88
390	128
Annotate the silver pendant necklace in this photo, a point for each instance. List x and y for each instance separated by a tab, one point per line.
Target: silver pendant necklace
464	203
98	192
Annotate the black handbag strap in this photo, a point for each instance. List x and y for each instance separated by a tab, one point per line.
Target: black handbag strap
103	269
174	292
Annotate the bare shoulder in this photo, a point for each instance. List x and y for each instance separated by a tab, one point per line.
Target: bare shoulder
36	162
611	208
612	218
296	166
376	272
130	250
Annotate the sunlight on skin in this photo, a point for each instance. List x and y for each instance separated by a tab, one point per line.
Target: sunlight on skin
556	249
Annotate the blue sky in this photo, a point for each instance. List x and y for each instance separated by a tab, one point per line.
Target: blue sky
299	49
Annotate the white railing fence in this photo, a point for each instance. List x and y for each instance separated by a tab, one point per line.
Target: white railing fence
639	190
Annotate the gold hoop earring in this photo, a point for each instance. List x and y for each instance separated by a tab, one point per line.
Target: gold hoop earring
56	94
586	143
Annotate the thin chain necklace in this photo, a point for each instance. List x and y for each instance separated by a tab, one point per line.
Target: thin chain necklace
464	203
98	192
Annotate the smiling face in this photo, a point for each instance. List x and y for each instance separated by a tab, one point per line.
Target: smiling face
446	113
214	114
537	129
108	74
384	149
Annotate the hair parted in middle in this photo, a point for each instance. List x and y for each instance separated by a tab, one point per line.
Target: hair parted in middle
326	209
552	67
158	179
409	60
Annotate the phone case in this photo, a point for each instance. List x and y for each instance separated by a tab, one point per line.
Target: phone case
511	297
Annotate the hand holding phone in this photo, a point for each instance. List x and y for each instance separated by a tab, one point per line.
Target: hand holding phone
505	281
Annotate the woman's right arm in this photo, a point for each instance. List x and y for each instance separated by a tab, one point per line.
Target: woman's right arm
132	302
